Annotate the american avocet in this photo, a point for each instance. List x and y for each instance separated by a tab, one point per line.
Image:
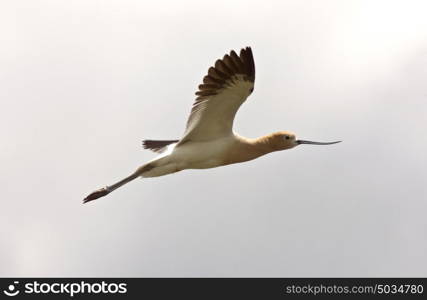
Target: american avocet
209	140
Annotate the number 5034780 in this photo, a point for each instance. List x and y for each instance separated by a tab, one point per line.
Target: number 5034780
400	289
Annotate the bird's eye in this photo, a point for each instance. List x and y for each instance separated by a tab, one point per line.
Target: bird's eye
287	137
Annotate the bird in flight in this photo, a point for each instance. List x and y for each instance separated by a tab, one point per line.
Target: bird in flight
209	140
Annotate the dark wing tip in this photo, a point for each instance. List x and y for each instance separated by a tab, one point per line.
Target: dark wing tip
225	69
247	58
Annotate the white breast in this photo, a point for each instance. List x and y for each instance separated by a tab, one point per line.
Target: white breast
201	155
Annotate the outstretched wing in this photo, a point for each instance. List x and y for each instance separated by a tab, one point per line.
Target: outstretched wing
224	89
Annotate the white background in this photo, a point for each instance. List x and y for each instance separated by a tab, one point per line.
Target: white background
83	82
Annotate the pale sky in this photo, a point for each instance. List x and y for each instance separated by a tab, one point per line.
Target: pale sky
83	82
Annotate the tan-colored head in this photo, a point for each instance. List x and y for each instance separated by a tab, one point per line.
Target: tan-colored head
283	140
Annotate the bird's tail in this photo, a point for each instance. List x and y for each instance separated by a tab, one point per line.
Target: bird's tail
156	145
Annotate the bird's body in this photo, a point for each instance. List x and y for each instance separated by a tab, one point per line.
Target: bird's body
209	140
209	154
192	155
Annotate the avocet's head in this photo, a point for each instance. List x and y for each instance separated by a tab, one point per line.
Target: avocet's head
287	140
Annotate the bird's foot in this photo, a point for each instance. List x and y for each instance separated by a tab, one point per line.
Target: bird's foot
97	194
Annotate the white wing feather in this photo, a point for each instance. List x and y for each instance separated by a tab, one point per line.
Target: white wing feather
226	87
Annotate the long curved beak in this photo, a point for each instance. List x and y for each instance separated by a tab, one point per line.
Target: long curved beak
299	142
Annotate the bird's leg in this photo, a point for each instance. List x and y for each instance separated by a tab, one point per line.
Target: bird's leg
97	194
108	189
